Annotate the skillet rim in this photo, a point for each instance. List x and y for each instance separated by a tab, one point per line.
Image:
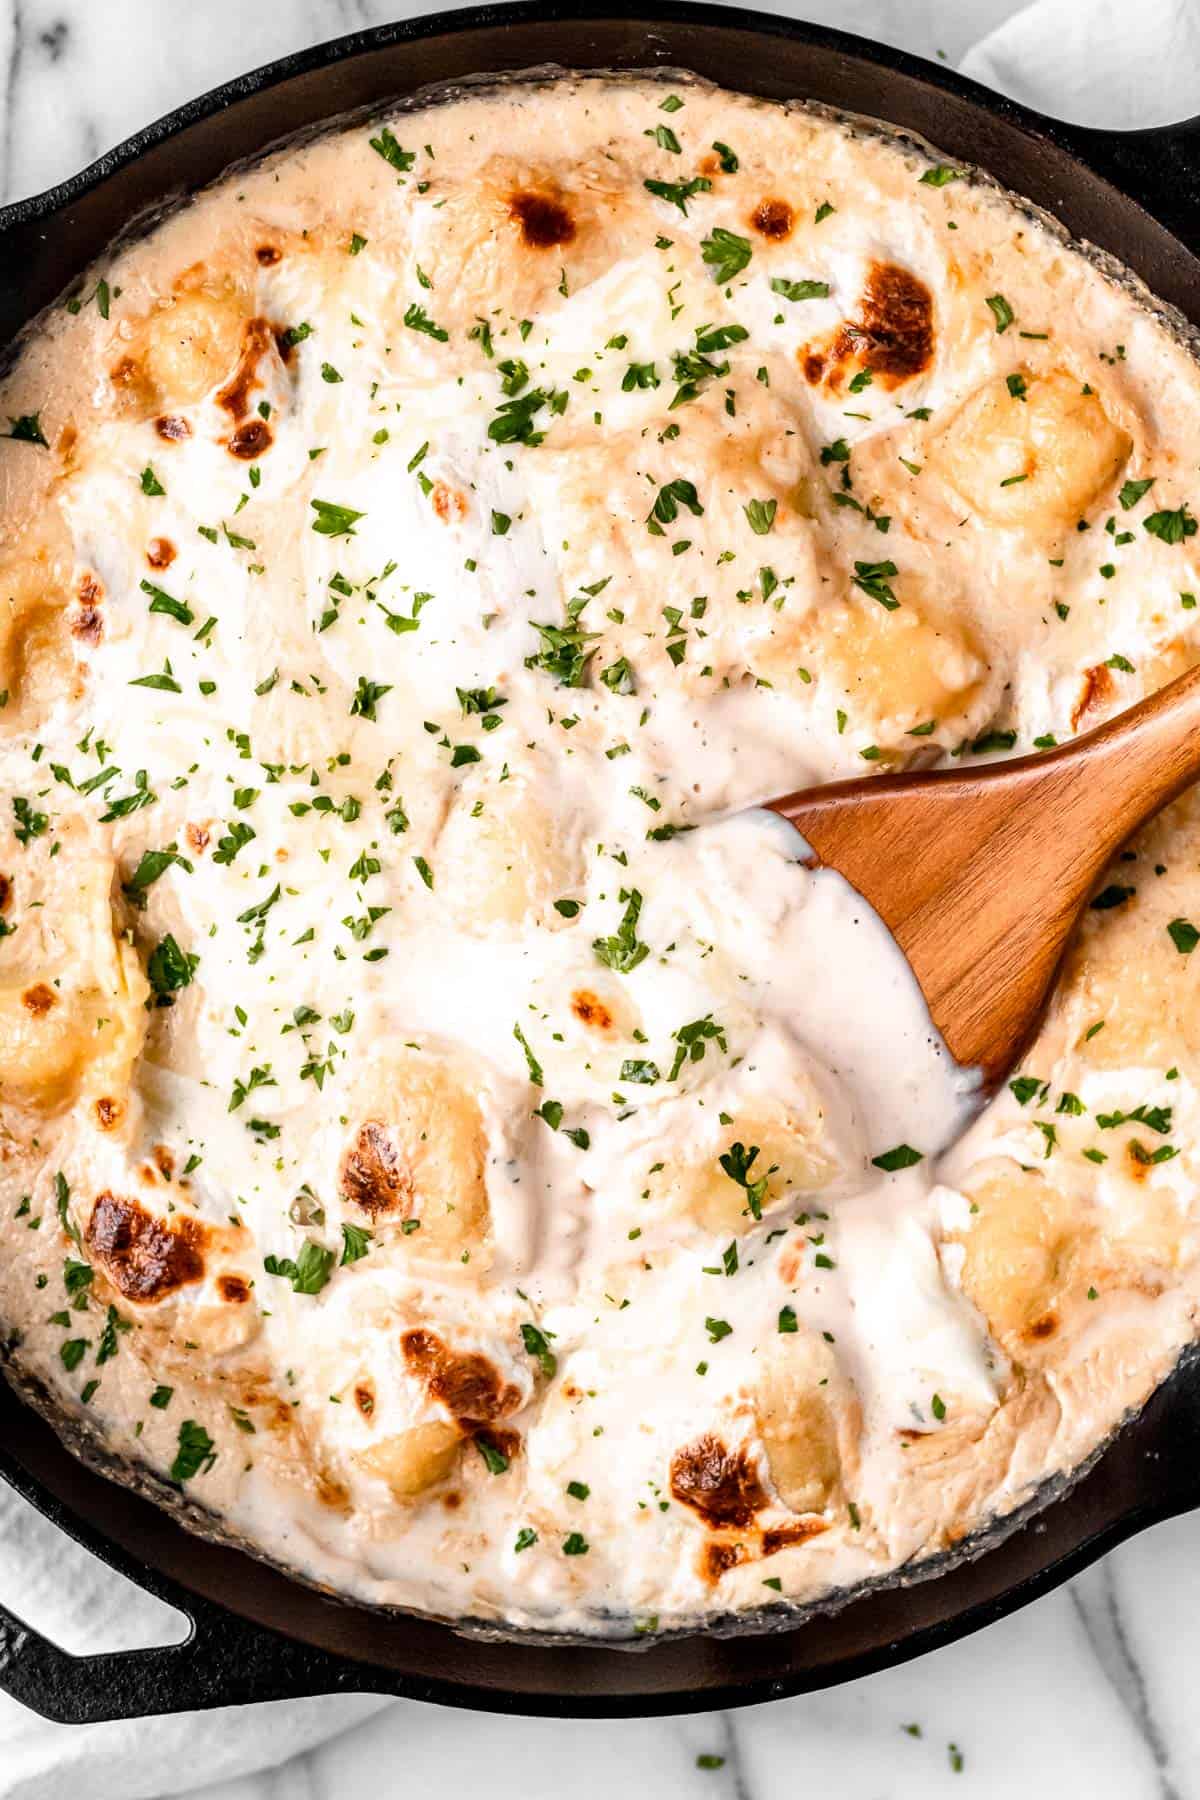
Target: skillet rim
1066	142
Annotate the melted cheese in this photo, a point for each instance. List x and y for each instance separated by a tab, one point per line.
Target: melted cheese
538	1196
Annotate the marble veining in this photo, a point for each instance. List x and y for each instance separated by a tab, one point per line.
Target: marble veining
1090	1689
1086	1691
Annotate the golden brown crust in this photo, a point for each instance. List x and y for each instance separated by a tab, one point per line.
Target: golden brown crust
719	1484
467	1384
146	1258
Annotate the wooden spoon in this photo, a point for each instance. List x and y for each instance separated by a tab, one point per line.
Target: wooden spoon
981	875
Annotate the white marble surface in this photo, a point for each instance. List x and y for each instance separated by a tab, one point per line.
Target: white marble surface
1090	1690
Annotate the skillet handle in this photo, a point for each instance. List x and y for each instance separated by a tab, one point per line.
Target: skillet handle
1159	168
223	1661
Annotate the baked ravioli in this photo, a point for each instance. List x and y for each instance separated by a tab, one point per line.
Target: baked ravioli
450	1143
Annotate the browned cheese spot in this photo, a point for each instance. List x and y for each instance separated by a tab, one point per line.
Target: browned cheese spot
197	837
144	1257
279	1416
782	1537
331	1492
160	553
235	395
1095	691
717	1558
813	366
173	429
364	1398
373	1176
893	335
88	625
448	503
721	1554
465	1383
234	1288
543	219
452	1500
5	893
773	219
87	622
39	999
126	374
507	1443
109	1113
268	254
590	1009
719	1484
1044	1327
251	440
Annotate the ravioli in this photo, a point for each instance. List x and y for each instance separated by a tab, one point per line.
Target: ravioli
445	1130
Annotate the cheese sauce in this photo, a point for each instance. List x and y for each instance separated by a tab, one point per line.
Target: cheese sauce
449	1133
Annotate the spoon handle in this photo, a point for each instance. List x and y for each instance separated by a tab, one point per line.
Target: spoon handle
980	873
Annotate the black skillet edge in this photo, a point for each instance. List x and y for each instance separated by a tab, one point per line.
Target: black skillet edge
48	240
1146	1473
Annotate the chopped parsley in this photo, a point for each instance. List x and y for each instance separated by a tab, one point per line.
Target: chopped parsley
495	1461
1002	312
385	145
417	319
1133	491
564	652
902	1157
29	824
169	969
309	1272
678	193
195	1454
1171	527
1113	895
760	515
531	1062
334	521
367	696
667	502
737	1163
536	1346
356	1243
874	580
26	429
623	951
725	253
692	1040
799	290
1183	935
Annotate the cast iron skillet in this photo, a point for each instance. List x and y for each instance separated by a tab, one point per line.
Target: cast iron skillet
255	1634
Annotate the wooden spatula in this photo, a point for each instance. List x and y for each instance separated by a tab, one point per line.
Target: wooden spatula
980	874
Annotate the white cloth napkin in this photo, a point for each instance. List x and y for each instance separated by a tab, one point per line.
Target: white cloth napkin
1099	62
83	1606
